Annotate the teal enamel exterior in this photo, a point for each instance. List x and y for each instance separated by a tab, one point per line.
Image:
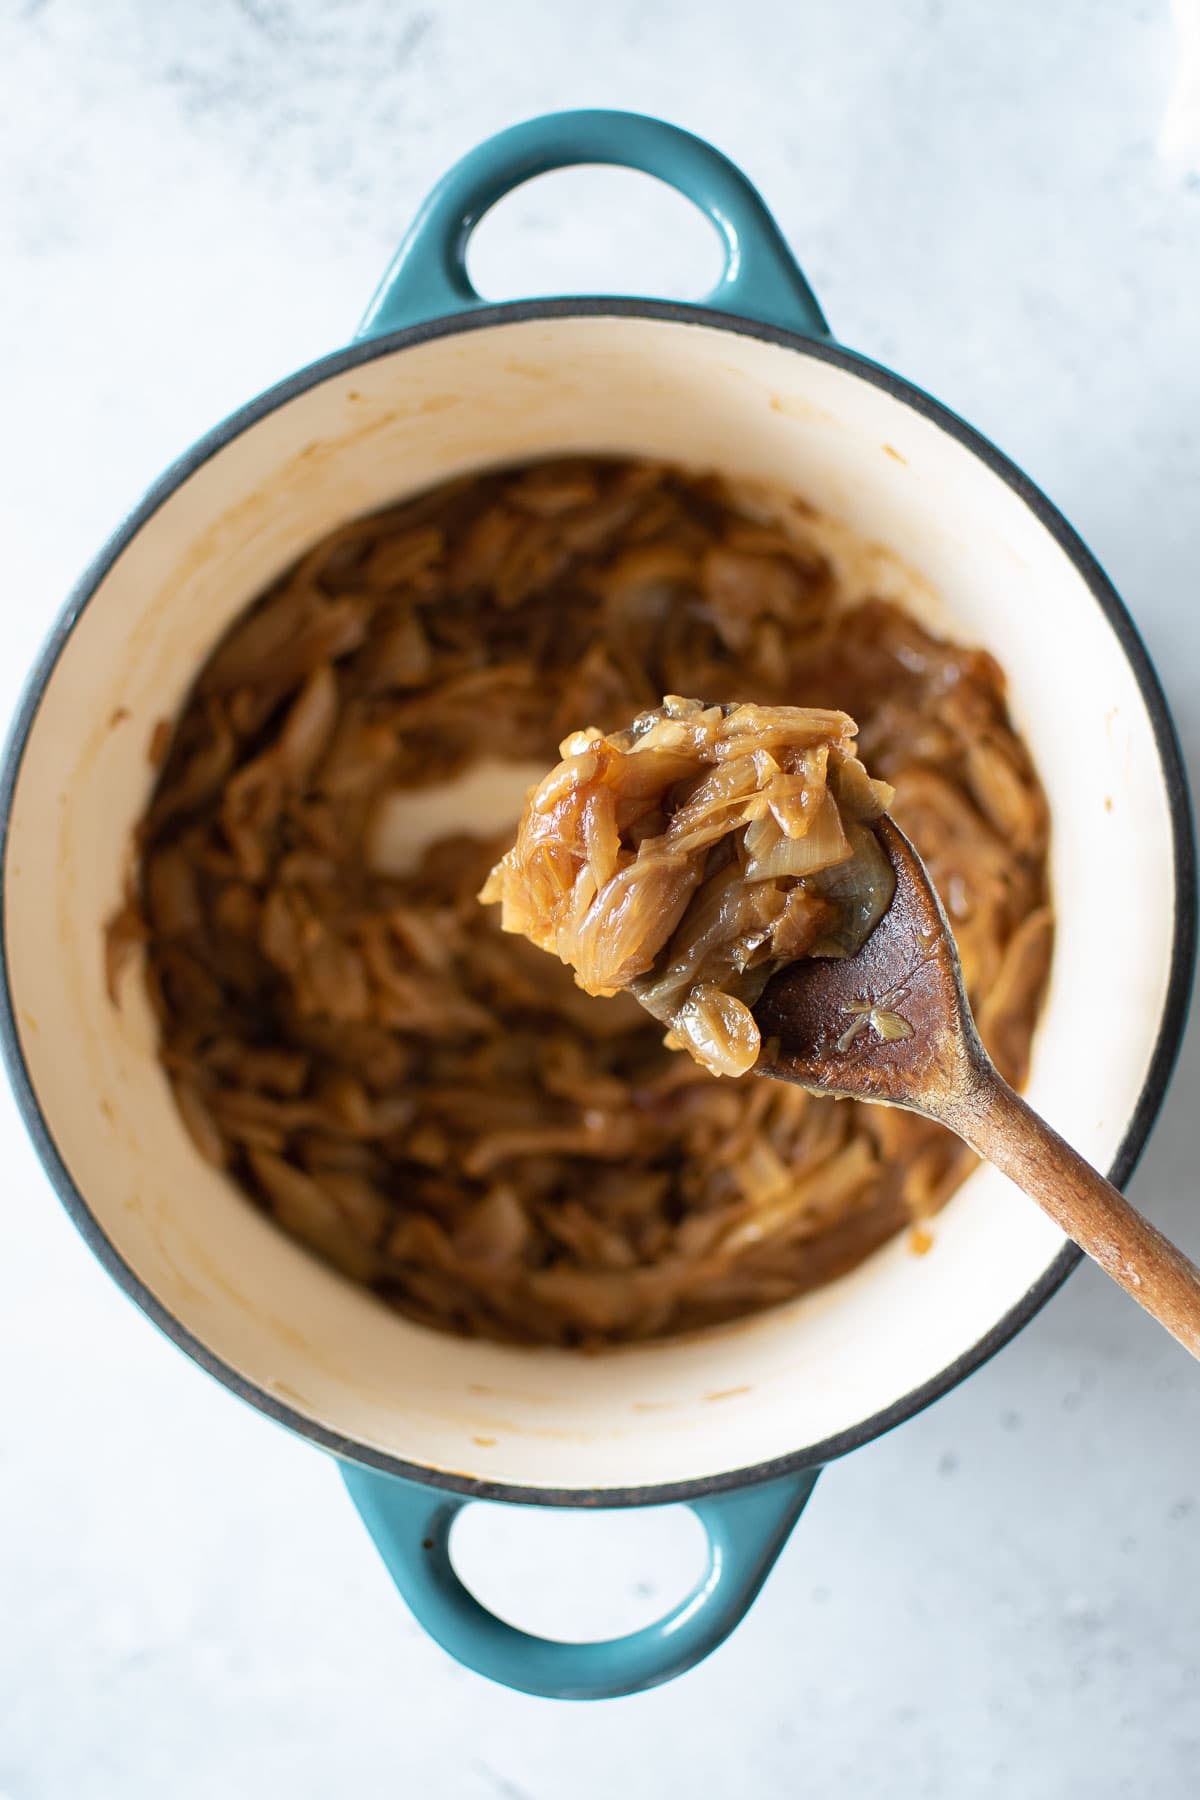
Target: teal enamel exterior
746	1530
428	276
411	1524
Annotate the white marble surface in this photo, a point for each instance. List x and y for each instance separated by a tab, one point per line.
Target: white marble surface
1003	1597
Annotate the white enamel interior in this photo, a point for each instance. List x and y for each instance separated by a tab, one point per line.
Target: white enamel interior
980	566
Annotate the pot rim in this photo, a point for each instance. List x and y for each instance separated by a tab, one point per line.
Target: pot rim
1183	948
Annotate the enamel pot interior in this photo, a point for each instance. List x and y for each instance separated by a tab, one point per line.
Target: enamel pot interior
964	547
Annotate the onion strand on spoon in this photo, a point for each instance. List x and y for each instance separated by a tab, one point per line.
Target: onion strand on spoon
693	854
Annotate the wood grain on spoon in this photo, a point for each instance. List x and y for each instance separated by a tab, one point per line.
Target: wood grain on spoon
892	1024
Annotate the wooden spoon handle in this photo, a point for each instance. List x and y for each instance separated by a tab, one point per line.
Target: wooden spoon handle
997	1123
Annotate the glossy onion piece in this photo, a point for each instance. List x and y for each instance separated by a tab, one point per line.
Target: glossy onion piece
689	857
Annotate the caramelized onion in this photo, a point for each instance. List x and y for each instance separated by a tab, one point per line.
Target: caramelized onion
438	1109
684	918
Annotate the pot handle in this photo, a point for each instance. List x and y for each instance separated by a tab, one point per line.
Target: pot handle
428	275
410	1524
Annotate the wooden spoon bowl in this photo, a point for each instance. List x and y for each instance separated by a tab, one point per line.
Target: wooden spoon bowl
892	1024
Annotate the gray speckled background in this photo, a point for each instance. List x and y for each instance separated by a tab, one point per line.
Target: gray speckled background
1001	1598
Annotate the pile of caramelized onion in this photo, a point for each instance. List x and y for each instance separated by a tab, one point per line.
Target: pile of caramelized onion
436	1107
693	854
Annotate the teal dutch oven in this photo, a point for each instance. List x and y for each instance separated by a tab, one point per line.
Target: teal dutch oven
736	1422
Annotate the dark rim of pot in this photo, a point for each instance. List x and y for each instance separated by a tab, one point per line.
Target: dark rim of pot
1182	955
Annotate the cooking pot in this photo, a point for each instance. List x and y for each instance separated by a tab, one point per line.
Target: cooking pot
737	1421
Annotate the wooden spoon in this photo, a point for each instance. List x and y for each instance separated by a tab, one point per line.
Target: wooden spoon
893	1024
